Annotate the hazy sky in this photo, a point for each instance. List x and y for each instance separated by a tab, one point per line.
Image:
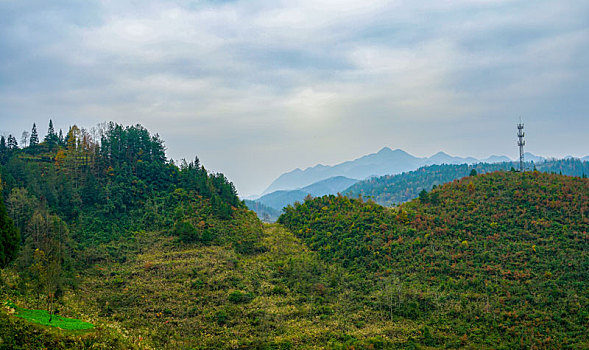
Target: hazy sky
258	88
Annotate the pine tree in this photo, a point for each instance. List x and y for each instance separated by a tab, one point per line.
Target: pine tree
51	138
50	131
34	140
61	139
9	237
11	143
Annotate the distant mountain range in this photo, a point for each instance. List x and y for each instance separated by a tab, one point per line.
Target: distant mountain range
357	177
384	162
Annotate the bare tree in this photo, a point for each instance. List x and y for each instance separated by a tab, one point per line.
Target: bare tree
24	139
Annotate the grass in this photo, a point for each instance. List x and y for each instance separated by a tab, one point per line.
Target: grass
188	296
42	317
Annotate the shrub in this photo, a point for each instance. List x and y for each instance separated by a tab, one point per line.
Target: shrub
238	297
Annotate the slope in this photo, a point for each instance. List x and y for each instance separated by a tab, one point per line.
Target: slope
190	296
497	260
79	202
160	256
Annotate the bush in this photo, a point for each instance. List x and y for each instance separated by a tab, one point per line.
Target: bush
221	317
186	232
238	297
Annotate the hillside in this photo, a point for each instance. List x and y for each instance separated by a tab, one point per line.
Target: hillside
161	294
391	190
161	256
76	199
497	260
332	185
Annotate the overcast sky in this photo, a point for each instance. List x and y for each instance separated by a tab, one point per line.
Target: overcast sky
258	88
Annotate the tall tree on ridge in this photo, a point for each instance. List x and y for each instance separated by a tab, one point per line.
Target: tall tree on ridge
50	130
24	138
34	140
61	139
11	143
51	139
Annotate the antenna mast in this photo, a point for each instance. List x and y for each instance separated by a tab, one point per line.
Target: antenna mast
521	143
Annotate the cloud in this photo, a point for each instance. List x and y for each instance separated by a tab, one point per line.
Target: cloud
256	88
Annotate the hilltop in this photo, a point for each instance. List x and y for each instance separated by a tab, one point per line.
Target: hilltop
496	260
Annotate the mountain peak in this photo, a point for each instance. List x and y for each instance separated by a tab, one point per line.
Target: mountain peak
441	154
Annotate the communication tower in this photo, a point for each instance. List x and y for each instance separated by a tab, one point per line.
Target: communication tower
521	143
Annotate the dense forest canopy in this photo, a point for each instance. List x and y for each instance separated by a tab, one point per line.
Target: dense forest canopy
89	177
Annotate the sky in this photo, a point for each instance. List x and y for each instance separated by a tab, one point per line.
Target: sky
257	88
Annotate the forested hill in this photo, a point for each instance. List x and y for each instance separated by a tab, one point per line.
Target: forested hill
106	182
498	260
391	190
83	200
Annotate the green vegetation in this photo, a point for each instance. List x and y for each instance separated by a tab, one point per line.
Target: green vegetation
498	260
18	333
164	256
170	295
79	199
44	318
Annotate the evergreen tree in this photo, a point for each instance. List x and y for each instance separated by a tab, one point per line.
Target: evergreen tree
9	237
50	131
423	196
51	138
11	143
61	139
34	140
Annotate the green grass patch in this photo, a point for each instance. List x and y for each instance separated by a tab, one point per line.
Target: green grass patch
42	317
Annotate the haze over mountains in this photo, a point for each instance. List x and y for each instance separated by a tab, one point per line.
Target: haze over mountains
384	162
281	198
362	173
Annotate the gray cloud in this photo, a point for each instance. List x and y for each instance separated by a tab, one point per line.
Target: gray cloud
256	88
